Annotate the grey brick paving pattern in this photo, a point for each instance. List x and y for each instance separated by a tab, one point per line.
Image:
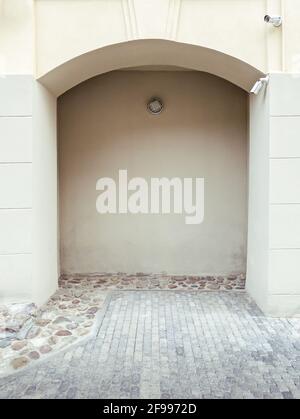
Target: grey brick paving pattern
170	344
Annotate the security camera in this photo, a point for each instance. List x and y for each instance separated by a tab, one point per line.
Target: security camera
256	88
259	84
275	20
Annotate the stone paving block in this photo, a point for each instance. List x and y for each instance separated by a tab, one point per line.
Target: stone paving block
172	344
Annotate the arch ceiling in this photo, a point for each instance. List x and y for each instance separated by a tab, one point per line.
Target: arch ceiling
149	52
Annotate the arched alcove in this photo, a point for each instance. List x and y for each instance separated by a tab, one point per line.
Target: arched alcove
139	54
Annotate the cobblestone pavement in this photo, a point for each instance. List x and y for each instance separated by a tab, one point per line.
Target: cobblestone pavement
28	333
170	344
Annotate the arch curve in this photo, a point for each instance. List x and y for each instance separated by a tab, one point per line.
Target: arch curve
149	52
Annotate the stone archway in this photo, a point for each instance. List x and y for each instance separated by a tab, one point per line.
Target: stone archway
132	54
145	52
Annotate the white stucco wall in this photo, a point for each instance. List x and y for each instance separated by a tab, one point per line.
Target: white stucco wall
273	270
284	198
212	24
28	185
104	126
36	36
16	132
16	188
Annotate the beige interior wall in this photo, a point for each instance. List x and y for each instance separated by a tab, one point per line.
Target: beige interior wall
104	126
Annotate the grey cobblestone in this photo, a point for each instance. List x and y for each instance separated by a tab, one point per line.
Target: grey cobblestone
158	344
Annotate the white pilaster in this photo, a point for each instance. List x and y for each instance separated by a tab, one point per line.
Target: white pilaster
274	233
16	188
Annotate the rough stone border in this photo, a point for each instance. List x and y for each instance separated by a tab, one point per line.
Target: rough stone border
93	333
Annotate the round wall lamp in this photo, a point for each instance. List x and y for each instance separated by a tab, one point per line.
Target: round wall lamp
155	106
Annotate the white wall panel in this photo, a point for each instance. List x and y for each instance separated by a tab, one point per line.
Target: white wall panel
15	278
16	185
285	181
16	95
284	226
15	228
15	139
